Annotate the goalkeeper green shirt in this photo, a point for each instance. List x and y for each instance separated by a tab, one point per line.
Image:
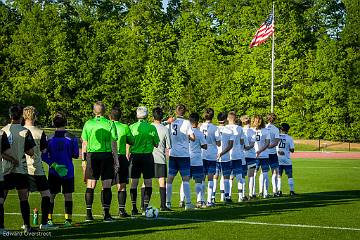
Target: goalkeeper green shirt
99	133
145	137
124	137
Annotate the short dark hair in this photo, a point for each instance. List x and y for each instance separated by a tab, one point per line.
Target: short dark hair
180	109
194	118
15	112
221	117
115	113
285	127
59	120
158	113
209	114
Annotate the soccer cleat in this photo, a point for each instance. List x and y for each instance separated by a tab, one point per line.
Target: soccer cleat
189	206
276	195
67	223
50	222
266	196
47	227
252	198
199	205
168	205
89	218
292	193
213	199
166	209
134	212
28	229
210	204
123	214
108	219
280	194
181	204
228	200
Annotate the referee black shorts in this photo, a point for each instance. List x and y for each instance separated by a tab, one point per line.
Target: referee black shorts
142	163
16	181
38	183
99	164
122	174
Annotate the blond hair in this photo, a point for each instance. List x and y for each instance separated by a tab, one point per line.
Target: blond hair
257	122
29	113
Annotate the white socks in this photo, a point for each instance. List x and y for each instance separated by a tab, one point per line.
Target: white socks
198	190
222	188
182	195
203	191
168	192
265	183
226	187
251	186
210	191
254	185
274	182
279	184
291	184
261	183
187	191
231	185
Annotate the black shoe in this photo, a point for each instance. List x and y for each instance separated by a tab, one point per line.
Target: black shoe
134	212
89	218
279	193
108	219
276	195
292	193
166	209
228	200
123	214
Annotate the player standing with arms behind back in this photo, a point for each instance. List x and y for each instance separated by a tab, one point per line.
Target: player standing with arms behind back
209	156
21	142
179	161
273	158
99	143
285	147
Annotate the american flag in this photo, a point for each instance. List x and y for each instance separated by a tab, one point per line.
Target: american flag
264	32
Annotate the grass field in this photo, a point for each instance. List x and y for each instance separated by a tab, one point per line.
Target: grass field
327	207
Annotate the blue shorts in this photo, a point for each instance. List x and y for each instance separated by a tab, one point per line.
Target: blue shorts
273	161
179	164
250	162
257	162
209	167
197	172
264	164
244	170
288	170
236	167
224	168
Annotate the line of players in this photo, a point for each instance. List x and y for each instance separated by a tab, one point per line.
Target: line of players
227	151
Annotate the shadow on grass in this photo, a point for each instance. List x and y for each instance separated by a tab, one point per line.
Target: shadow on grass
235	211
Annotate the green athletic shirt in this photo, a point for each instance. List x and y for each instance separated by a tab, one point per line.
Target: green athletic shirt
99	133
124	137
145	137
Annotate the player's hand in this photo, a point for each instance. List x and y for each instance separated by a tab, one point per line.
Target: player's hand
60	169
257	154
281	153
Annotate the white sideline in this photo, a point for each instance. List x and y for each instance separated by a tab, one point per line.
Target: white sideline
229	222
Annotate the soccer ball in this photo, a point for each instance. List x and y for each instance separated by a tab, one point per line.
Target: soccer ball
151	212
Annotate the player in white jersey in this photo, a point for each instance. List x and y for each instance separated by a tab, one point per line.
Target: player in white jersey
37	178
273	158
262	141
209	156
285	147
237	156
223	158
196	162
179	160
250	154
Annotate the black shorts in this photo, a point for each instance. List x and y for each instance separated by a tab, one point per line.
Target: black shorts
56	184
122	175
99	164
160	170
38	183
16	180
1	189
142	163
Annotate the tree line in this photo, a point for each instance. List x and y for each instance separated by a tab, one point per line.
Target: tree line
67	54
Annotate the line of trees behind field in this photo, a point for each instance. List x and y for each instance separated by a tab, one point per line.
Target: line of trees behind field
66	54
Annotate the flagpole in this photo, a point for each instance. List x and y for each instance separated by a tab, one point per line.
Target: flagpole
272	66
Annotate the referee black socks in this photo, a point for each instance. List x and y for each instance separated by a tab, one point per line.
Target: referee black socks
45	206
162	197
133	196
1	216
122	201
25	212
89	199
147	196
106	197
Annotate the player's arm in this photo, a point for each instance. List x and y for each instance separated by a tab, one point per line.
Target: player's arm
43	142
190	133
6	152
129	136
155	135
263	148
217	137
227	149
203	142
75	147
29	144
276	139
292	147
